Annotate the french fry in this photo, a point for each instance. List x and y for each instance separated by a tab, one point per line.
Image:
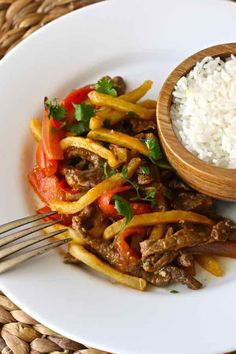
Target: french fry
96	122
133	96
88	198
120	139
139	92
80	253
210	264
150	219
36	128
90	145
158	232
148	103
70	233
121	105
120	153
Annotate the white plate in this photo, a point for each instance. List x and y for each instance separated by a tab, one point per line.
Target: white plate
139	40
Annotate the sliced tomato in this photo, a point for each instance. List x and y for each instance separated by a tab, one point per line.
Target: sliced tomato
104	203
49	167
47	188
76	96
63	219
51	137
127	254
141	208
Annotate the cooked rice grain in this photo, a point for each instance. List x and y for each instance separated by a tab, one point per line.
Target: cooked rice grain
204	111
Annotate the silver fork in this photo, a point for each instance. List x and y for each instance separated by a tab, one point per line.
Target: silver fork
11	262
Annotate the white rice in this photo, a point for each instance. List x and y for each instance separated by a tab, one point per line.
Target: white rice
204	111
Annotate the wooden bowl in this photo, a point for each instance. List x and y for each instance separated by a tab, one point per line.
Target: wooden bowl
214	181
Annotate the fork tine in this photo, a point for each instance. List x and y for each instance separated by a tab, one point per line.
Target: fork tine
17	235
21	245
10	263
20	222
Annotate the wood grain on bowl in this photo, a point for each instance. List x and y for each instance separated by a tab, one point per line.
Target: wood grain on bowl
214	181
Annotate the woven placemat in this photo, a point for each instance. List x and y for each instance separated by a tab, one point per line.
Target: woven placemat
21	334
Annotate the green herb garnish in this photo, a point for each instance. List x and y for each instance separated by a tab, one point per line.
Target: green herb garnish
126	177
55	111
123	208
154	149
150	196
108	172
145	170
163	164
132	114
105	85
174	291
83	113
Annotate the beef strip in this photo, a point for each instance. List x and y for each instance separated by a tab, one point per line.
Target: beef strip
180	239
161	278
90	219
75	153
82	169
141	125
185	260
155	262
177	184
76	178
222	230
192	201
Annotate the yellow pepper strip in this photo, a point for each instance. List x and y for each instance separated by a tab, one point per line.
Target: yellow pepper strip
80	253
121	105
88	198
160	217
36	128
70	233
210	264
95	123
139	92
158	232
120	139
148	103
90	145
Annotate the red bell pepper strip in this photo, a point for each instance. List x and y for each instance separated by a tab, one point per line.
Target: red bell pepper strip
49	167
76	96
47	188
51	137
104	203
62	218
127	254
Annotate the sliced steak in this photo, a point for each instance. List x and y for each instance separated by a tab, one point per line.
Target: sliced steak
192	201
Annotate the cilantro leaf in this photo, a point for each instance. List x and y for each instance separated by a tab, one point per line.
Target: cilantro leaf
126	177
107	171
150	196
151	193
145	170
154	149
132	114
163	164
174	291
55	111
83	113
123	207
105	85
77	128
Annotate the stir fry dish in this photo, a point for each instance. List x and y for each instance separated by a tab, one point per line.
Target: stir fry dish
100	166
